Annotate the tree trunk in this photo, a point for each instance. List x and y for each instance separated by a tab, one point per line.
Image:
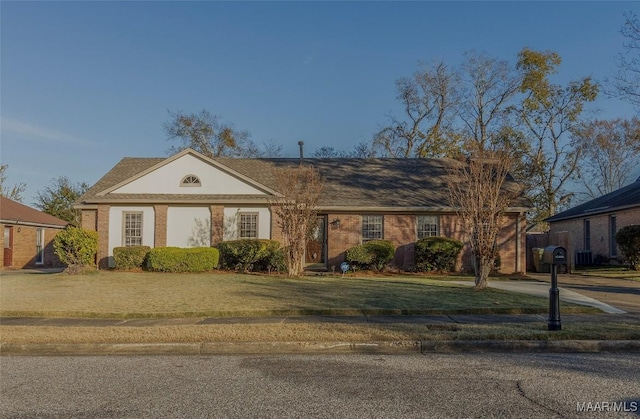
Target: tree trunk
483	268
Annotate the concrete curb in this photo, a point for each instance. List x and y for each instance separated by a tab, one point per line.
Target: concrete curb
266	348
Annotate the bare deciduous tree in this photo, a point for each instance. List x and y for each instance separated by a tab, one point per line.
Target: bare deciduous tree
478	192
609	152
12	192
489	86
429	100
207	134
296	210
625	83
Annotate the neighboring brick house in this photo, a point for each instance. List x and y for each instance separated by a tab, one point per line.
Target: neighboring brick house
591	227
27	240
191	200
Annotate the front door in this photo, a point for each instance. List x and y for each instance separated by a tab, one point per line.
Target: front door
8	247
317	245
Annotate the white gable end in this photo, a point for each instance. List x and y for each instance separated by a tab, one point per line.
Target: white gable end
168	179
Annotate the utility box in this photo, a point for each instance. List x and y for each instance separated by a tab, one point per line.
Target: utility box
554	255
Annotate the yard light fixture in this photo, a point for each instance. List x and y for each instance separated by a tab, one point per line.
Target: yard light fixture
335	222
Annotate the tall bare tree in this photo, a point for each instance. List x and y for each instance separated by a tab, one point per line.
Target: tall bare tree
207	134
609	151
12	192
478	192
550	113
489	86
296	211
625	83
429	99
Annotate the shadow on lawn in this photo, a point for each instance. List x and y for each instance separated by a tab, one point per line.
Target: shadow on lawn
394	296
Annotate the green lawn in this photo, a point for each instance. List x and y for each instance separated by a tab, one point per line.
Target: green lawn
110	294
618	272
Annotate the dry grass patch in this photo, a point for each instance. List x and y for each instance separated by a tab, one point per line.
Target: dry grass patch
323	332
143	294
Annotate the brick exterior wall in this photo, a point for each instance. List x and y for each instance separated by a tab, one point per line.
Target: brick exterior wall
217	224
88	220
400	229
160	227
102	223
24	248
340	238
600	231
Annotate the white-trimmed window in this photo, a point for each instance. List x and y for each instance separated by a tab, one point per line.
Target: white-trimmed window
190	180
372	227
132	228
248	225
427	225
40	246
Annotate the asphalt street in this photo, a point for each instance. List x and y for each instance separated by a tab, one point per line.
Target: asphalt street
332	386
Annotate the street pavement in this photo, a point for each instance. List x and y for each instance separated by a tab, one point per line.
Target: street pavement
465	385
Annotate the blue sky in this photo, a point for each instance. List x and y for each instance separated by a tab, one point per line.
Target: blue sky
84	84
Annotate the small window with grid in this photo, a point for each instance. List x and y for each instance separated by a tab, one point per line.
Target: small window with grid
190	180
427	226
248	225
132	226
371	227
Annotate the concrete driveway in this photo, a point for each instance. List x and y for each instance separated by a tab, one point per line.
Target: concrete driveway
620	293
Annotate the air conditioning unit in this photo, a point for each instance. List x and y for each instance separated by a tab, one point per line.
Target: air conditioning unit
584	258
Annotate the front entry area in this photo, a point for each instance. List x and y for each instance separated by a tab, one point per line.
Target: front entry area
315	254
8	247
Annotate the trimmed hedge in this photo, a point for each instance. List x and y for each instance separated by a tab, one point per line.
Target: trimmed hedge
437	254
176	259
628	238
130	257
251	255
76	247
374	254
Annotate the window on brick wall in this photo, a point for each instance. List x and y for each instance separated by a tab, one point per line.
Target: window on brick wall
613	229
39	246
427	225
587	234
372	227
248	225
132	229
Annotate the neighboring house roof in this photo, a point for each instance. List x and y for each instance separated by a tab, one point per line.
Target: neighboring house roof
623	198
12	212
349	182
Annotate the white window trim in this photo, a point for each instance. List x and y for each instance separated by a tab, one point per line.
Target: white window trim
366	239
254	214
40	254
437	224
124	227
185	184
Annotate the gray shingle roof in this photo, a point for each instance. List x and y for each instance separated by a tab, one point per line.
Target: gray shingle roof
625	197
361	183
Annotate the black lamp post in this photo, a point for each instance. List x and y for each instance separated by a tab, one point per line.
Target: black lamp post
554	255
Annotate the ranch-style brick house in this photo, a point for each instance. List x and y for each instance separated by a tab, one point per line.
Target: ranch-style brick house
592	226
27	240
190	200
